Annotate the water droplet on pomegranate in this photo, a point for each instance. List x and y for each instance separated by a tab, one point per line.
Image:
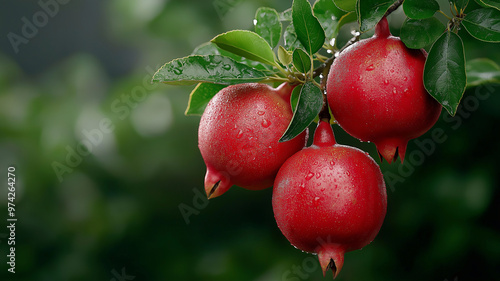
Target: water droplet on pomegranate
240	134
386	81
316	198
310	176
405	78
260	112
265	123
318	175
370	67
392	70
394	91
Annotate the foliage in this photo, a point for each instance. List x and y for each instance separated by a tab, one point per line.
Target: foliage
314	48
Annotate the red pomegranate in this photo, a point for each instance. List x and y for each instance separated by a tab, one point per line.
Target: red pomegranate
376	93
329	199
238	136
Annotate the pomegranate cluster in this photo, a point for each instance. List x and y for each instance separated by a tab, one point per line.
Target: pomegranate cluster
328	198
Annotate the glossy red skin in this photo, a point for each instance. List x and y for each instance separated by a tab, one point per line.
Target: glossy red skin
238	136
376	93
329	198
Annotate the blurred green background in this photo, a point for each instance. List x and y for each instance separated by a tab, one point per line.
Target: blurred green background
115	211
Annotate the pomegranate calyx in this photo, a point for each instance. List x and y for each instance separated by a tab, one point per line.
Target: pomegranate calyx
391	149
382	29
323	136
331	257
216	183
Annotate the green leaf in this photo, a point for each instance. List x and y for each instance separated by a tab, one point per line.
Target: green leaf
460	4
345	5
483	24
490	3
307	27
301	61
482	71
294	99
480	3
290	38
345	19
328	15
309	105
247	44
370	12
286	15
420	9
211	69
444	71
268	26
200	96
284	56
205	49
417	34
210	48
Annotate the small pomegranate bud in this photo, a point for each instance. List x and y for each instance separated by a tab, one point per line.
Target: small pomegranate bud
329	199
382	29
238	136
376	93
324	135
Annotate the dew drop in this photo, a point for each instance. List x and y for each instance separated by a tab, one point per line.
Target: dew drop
405	78
226	67
318	175
310	176
265	123
261	112
392	70
370	67
177	71
240	134
394	91
316	198
386	81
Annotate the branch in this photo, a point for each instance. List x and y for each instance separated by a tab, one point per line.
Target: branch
393	7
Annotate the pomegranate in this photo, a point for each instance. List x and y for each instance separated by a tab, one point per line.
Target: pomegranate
329	199
376	93
238	136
